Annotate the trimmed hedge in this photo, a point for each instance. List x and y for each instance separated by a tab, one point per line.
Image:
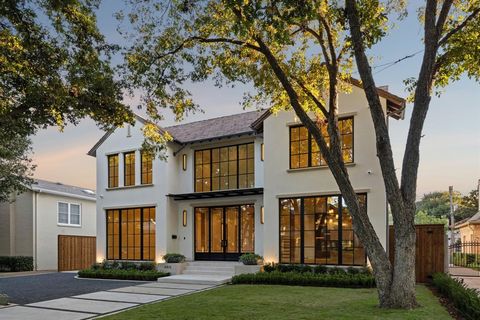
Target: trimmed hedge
250	259
466	300
319	269
16	263
131	274
307	279
174	258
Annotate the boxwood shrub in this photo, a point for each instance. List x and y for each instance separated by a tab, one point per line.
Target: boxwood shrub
466	300
342	280
174	258
16	263
131	274
318	269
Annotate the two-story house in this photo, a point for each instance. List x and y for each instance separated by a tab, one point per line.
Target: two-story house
250	182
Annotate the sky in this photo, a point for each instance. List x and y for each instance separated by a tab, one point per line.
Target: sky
450	147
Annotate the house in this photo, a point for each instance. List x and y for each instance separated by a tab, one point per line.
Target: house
249	182
31	223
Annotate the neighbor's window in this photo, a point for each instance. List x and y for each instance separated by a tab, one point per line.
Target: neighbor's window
113	171
225	168
146	164
304	151
69	213
129	168
131	234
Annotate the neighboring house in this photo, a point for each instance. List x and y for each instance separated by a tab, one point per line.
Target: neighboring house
250	182
31	223
468	230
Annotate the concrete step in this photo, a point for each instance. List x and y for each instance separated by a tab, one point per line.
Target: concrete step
213	280
223	273
208	268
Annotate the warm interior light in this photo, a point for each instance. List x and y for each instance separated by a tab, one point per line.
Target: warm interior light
184	218
262	215
262	152
184	162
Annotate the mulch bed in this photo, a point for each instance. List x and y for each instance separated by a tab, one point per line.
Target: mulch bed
446	303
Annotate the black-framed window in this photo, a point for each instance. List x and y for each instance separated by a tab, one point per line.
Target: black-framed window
129	168
146	168
230	167
131	234
113	171
318	230
304	151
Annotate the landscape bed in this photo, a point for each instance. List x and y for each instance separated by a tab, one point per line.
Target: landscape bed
123	270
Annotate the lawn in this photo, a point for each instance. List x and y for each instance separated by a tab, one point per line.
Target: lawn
284	302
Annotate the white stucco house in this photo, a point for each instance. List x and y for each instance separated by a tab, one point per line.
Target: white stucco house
31	223
249	182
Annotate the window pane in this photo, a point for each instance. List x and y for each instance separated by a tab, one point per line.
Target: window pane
62	212
248	228
74	214
129	166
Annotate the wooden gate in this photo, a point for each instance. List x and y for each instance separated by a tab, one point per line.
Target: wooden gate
76	252
429	250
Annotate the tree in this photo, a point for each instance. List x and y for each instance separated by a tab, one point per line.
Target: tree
297	54
54	68
437	204
15	165
422	217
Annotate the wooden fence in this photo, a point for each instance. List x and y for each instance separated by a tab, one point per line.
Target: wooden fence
429	250
76	252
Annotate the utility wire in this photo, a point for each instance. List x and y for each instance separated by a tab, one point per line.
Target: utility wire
392	63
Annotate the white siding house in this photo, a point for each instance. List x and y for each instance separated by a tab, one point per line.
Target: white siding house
250	182
31	223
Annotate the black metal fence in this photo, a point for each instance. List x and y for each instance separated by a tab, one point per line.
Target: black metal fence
464	259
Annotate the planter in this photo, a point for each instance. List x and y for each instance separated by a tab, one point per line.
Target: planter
3	299
172	268
244	269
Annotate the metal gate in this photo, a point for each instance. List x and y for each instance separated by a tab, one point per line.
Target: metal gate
464	259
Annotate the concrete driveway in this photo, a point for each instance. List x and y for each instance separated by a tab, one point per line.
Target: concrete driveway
41	287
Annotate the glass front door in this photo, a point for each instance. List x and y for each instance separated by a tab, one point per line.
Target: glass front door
224	233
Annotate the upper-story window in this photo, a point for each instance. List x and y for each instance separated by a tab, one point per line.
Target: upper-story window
113	171
231	167
146	167
304	151
129	168
69	213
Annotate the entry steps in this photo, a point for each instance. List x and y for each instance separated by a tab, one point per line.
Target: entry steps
204	272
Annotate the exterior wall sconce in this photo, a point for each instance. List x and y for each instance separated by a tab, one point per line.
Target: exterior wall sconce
262	152
262	214
184	162
184	218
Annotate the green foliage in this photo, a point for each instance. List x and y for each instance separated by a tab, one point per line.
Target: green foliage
3	299
123	265
342	280
16	167
469	260
437	204
250	258
422	217
466	300
16	263
121	274
174	258
318	269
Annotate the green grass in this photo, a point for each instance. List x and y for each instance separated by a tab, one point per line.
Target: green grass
284	302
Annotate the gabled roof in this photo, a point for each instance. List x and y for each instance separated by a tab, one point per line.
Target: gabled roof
58	188
475	219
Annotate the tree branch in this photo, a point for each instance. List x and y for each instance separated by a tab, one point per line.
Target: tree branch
309	93
458	27
442	17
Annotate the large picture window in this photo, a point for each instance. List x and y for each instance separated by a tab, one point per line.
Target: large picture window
225	168
131	234
113	171
318	230
304	151
129	169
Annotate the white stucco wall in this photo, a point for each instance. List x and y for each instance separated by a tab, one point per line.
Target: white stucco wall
45	241
280	182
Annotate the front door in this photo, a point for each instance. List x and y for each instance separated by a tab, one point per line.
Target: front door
224	233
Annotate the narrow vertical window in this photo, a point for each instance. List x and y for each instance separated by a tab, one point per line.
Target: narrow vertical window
262	152
146	167
184	162
113	171
129	169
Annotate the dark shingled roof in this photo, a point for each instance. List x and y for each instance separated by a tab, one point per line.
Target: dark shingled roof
57	187
234	125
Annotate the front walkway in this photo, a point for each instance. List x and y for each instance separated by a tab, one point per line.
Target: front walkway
91	305
470	277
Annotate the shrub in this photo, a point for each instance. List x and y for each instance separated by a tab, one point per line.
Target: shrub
320	269
3	299
307	279
250	258
127	265
269	267
174	258
336	270
148	275
16	263
145	266
465	300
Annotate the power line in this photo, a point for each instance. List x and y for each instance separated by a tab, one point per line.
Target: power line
392	63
